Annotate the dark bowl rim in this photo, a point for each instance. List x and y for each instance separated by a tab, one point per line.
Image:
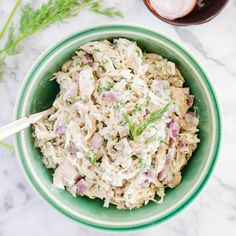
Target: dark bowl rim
173	22
109	27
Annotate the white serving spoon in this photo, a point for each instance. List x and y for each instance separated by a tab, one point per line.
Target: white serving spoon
23	123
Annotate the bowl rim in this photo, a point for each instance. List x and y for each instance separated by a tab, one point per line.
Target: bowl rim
182	24
104	28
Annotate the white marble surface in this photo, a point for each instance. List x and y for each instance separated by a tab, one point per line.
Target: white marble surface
212	213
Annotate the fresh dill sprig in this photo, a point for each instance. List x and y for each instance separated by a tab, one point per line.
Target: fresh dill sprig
1	67
6	145
33	20
109	11
9	18
10	48
136	130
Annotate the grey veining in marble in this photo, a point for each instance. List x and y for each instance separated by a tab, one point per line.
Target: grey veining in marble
213	212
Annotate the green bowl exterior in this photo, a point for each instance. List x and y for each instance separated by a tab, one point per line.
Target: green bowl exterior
38	92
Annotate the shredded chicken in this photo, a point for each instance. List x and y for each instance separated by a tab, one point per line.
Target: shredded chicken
123	127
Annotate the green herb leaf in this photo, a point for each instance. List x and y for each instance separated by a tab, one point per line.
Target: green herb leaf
131	127
1	67
107	87
6	145
90	156
110	11
137	130
10	44
50	12
9	18
1	73
152	119
142	163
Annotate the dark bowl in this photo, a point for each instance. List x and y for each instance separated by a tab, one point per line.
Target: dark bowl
202	13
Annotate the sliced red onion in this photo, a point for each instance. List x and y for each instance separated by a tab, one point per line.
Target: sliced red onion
86	58
77	78
72	149
81	187
173	127
181	144
60	128
174	133
172	9
97	141
183	147
171	124
110	96
162	175
190	100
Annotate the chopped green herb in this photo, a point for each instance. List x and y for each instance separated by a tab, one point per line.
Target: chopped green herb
144	55
85	100
139	107
136	130
131	126
90	156
6	145
97	7
162	141
9	18
142	163
107	87
118	104
152	139
139	52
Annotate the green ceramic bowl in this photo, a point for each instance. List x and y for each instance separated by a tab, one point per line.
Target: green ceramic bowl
38	92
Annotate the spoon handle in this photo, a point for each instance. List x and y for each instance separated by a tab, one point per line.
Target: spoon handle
23	123
14	127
